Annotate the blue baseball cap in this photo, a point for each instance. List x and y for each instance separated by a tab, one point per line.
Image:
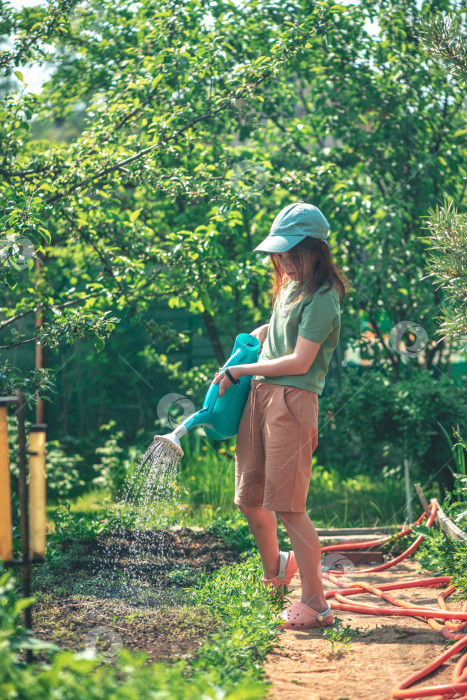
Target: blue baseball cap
292	224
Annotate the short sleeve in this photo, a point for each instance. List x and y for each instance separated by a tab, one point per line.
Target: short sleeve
319	316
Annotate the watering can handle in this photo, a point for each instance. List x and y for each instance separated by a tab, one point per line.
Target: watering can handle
213	393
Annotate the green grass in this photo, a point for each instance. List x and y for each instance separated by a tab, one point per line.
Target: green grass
333	501
340	637
359	501
207	473
443	555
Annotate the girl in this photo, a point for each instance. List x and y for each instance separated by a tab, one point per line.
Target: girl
278	431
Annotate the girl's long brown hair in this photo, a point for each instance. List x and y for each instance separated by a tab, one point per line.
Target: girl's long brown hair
323	271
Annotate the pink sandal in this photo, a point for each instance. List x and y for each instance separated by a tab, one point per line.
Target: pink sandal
301	617
287	569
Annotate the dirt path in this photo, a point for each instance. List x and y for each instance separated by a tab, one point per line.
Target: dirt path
388	650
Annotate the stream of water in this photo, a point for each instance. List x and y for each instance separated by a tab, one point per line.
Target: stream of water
133	565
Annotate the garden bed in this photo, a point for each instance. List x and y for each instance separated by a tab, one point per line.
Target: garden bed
77	593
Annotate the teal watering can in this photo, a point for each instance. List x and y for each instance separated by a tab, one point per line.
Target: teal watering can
220	417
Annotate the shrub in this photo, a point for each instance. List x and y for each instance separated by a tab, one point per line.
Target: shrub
115	461
371	422
63	475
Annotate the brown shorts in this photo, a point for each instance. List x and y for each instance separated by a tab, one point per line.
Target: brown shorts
277	436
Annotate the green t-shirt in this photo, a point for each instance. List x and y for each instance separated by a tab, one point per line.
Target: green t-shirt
316	317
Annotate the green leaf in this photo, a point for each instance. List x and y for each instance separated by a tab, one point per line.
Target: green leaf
19	75
134	215
22	604
46	234
12	262
156	81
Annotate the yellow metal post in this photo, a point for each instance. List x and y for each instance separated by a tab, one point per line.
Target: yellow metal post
6	544
37	492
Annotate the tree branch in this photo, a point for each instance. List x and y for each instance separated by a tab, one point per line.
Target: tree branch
20	342
111	168
7	57
376	329
280	126
72	302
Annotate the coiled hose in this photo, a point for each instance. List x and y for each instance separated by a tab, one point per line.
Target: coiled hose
440	619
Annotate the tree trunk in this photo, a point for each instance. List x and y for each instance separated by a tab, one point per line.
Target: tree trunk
214	338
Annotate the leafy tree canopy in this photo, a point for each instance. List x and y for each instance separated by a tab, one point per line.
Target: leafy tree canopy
169	135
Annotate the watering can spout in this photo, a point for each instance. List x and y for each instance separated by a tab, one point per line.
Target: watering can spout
172	440
201	417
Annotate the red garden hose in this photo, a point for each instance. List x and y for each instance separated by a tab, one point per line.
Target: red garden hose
438	618
392	562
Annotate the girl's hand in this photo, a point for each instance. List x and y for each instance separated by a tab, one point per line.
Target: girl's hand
222	379
261	333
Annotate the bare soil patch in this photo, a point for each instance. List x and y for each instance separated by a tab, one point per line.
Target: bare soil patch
170	633
72	600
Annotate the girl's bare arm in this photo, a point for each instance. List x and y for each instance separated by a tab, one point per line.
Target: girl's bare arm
299	362
261	333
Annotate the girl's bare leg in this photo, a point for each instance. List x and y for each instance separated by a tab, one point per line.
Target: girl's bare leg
307	548
263	525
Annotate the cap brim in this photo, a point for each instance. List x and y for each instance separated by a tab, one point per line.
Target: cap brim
278	244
